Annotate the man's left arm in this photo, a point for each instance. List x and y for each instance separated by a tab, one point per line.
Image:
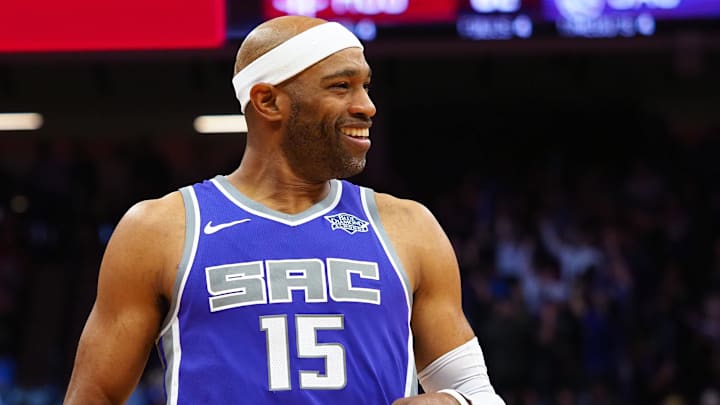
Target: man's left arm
447	353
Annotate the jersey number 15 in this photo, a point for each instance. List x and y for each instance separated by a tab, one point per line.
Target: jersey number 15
278	352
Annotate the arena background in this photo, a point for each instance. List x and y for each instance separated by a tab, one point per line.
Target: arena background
575	171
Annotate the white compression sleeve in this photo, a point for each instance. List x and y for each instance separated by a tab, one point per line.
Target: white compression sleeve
462	369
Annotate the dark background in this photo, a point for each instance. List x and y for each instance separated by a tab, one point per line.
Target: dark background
577	179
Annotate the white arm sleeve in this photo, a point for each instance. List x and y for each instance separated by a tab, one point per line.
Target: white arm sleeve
462	369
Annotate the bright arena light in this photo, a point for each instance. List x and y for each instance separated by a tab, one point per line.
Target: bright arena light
20	121
220	124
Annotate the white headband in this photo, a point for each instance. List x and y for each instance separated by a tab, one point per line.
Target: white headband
292	57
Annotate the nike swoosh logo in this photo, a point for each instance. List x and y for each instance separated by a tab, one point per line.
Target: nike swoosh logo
211	229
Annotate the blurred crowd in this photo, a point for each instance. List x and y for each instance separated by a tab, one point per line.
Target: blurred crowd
60	200
588	282
597	281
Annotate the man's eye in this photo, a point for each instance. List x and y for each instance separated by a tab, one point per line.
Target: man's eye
366	86
341	85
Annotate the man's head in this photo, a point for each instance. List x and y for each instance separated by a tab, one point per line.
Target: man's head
315	102
281	48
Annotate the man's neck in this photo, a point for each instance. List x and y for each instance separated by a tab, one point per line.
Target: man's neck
279	190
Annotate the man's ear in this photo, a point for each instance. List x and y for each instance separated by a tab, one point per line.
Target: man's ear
264	98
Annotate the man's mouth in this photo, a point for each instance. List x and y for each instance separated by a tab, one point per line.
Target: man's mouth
356	132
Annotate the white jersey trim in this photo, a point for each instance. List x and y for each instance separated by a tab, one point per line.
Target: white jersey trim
365	194
291	220
192	233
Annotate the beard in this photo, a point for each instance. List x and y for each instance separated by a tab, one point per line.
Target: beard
314	149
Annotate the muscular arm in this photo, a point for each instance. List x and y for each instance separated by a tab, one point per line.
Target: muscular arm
438	322
130	304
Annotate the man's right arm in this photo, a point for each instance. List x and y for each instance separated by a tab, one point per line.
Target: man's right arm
130	305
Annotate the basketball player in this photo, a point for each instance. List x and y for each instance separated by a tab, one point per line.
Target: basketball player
279	283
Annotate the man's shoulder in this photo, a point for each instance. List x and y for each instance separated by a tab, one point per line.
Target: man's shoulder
154	215
147	244
404	210
391	201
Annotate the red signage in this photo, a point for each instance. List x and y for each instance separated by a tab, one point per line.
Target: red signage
379	11
107	25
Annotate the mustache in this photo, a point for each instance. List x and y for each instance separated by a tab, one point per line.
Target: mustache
357	121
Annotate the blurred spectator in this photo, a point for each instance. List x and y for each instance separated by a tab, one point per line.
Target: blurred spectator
506	338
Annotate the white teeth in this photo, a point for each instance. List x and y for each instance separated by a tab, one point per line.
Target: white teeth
356	132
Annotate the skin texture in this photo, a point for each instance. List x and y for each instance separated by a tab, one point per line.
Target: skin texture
294	146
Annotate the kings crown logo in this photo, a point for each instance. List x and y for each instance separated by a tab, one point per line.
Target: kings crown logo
348	223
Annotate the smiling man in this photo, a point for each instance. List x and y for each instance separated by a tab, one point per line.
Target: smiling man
280	282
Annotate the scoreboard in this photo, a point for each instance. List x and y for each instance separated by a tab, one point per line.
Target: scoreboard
379	11
506	19
101	25
610	18
127	25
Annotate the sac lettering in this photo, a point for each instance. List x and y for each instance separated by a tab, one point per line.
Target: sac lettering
273	281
